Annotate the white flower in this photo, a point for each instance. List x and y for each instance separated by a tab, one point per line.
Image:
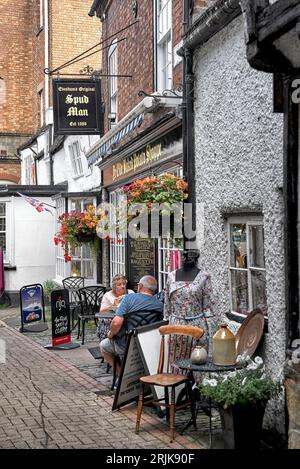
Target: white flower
213	382
244	380
252	366
258	360
205	382
232	374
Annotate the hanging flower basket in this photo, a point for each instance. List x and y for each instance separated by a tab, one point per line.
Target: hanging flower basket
158	196
77	228
85	237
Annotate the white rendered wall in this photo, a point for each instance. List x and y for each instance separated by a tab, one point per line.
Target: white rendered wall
239	158
34	250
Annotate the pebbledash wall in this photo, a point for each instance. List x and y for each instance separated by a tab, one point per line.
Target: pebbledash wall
238	146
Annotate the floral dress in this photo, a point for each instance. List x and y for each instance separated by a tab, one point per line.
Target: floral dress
191	303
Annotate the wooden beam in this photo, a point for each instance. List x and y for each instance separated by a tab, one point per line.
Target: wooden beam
277	19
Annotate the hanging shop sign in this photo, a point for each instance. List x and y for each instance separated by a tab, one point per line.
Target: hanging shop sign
77	107
32	308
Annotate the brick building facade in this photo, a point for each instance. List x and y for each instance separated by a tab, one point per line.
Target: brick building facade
46	33
142	41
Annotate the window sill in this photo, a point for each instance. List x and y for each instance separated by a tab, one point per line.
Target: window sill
240	318
77	177
10	267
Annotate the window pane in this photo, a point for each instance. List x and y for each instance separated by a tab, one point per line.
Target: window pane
2	241
2	209
76	268
87	269
238	246
239	291
2	224
258	279
256	242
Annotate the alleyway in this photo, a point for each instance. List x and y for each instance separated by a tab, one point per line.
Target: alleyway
48	403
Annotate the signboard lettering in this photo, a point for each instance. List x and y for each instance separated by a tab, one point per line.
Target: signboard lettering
141	257
76	107
136	161
60	313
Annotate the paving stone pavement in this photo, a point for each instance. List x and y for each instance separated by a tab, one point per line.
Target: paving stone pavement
46	402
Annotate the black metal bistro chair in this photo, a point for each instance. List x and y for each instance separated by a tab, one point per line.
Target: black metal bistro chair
133	321
90	300
73	284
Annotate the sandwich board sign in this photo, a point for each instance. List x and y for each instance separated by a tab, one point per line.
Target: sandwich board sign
61	322
141	356
32	309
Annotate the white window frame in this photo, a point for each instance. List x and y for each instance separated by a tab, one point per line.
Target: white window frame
248	221
112	61
41	14
163	46
60	261
60	264
75	156
165	248
28	166
9	254
117	250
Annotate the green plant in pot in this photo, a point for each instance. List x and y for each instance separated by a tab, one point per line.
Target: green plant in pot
241	397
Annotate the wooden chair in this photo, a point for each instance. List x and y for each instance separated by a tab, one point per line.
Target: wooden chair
131	322
90	300
181	342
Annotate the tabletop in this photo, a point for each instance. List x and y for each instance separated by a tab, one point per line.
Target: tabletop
208	366
109	315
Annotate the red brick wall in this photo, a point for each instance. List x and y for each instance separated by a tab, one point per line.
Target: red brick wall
16	65
10	172
136	54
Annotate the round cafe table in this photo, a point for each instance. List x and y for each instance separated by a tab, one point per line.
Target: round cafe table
207	367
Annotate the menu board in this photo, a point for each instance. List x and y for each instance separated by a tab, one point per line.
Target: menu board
141	259
60	313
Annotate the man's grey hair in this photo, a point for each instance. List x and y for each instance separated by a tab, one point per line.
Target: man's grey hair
149	282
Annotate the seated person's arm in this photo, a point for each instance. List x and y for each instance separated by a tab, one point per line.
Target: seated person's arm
115	326
118	320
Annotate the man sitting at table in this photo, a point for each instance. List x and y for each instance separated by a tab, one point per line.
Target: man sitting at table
143	300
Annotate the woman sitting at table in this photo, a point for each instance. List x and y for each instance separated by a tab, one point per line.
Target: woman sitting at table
110	302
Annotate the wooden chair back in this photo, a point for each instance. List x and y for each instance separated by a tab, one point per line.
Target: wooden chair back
181	342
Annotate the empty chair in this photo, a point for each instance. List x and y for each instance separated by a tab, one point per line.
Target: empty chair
73	284
177	343
90	299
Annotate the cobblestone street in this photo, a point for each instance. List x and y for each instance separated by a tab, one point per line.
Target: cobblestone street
47	402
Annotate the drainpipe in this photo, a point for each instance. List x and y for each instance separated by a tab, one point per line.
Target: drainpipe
290	192
188	122
46	25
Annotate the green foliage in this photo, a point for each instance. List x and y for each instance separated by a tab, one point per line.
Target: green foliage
248	385
49	286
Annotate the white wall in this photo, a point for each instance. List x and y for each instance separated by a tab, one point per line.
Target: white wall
33	245
239	169
63	169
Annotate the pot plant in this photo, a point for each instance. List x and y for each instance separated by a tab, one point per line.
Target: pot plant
77	228
241	397
154	197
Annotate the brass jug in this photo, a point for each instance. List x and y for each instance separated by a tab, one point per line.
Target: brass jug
224	347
